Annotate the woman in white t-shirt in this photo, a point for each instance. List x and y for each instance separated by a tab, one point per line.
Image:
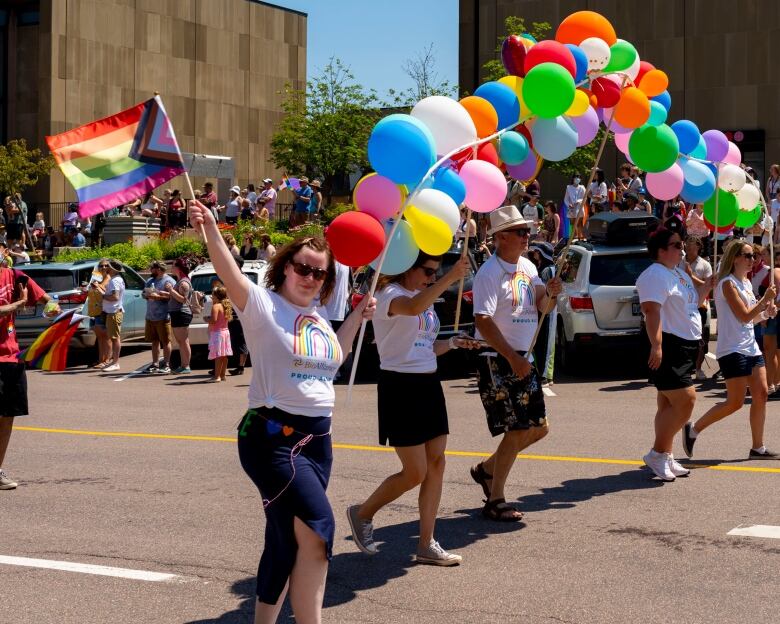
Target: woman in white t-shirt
572	201
284	438
411	406
670	304
599	199
739	356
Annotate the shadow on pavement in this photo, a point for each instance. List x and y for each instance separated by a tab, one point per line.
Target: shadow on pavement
573	491
628	386
245	589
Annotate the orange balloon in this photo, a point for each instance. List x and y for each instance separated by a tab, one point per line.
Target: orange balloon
633	109
654	82
583	24
482	114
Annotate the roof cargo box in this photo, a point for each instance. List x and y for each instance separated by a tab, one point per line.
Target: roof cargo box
621	228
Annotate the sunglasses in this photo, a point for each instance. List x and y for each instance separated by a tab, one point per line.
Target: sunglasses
749	256
102	266
677	245
429	272
521	232
304	270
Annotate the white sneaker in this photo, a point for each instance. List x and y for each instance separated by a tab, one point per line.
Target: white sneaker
677	469
659	464
434	554
111	368
700	375
5	481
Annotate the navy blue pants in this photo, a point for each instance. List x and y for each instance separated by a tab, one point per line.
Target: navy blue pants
289	487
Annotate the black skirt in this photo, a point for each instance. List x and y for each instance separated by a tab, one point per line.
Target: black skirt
412	409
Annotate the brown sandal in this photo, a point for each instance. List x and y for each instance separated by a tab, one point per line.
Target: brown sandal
499	511
480	476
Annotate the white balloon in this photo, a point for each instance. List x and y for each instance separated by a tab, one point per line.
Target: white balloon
447	120
748	197
439	204
731	178
633	71
597	51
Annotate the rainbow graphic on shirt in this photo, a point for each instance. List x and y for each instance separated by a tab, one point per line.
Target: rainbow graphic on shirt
313	338
428	323
522	289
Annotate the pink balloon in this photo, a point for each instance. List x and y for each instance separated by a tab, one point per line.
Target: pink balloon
485	185
587	126
526	169
616	128
734	157
621	142
666	184
378	196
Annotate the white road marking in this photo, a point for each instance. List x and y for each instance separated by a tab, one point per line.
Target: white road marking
86	568
137	371
548	392
757	530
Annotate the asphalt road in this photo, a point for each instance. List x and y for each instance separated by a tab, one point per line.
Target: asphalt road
601	541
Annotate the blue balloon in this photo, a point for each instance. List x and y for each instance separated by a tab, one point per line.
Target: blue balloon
448	181
665	100
401	148
700	151
581	59
554	139
687	134
503	99
402	251
658	114
699	182
512	148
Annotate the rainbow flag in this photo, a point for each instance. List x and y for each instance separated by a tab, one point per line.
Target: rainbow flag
49	351
289	184
112	161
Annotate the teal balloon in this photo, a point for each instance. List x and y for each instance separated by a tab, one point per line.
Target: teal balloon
700	151
658	114
513	148
448	181
554	139
401	148
503	99
402	251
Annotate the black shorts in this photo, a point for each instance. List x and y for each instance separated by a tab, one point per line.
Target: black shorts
678	363
13	389
237	339
411	408
705	328
180	318
738	365
510	403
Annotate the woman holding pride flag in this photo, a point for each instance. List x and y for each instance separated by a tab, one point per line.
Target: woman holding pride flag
406	327
284	438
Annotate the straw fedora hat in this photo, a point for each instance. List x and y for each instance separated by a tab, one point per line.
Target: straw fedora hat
504	218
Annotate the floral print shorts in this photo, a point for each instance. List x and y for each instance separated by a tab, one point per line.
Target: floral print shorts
510	403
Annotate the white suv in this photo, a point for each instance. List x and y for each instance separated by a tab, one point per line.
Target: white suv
201	279
599	305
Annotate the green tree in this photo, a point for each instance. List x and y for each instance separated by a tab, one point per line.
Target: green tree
20	167
583	159
325	129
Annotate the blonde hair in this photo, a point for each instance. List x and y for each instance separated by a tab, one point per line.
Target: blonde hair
733	249
220	296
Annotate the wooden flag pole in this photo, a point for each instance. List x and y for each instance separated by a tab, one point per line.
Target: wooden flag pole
464	252
715	231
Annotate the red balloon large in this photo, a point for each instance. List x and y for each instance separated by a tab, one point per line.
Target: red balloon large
607	92
644	67
513	52
355	238
487	152
721	230
549	51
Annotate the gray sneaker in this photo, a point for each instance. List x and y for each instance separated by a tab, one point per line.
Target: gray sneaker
5	481
362	531
434	554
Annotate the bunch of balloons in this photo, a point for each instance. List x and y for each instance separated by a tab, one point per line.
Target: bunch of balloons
445	152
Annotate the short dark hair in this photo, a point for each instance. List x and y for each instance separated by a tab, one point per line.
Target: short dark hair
183	265
275	276
659	240
422	258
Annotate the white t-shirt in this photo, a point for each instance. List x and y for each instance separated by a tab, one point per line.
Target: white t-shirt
700	267
507	293
252	197
758	277
269	195
116	284
733	335
531	214
573	200
674	290
295	354
768	224
598	192
337	304
774	208
405	343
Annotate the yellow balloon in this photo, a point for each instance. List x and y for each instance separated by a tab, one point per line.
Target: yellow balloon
580	104
430	233
516	84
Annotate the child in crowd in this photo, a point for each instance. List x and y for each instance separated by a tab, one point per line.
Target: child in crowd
219	335
38	229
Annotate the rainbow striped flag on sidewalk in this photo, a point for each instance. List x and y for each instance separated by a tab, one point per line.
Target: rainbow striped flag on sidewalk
116	159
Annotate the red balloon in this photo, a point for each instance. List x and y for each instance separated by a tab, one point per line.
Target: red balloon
644	67
549	51
607	92
355	238
721	230
487	152
513	53
522	129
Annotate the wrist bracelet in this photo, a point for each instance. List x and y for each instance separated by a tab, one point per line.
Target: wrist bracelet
451	343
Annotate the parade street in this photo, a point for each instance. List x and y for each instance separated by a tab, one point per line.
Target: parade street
132	507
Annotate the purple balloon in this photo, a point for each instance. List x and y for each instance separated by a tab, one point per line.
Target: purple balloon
525	170
717	145
587	126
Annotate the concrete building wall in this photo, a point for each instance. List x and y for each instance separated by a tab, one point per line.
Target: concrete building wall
218	65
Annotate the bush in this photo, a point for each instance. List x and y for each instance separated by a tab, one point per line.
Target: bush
183	247
331	212
280	239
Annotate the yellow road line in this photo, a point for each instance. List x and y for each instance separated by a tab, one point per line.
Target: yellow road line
385	449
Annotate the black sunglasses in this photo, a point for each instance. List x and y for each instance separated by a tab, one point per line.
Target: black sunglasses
305	270
429	272
749	256
102	266
677	245
522	232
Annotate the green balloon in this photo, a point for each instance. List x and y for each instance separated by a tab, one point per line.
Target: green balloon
748	218
654	148
548	90
728	209
623	56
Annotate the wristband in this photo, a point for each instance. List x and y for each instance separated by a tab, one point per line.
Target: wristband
451	343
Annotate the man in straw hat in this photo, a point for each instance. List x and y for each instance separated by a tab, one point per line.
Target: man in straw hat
508	295
303	195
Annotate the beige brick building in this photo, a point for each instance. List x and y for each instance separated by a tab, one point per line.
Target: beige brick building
218	65
720	55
